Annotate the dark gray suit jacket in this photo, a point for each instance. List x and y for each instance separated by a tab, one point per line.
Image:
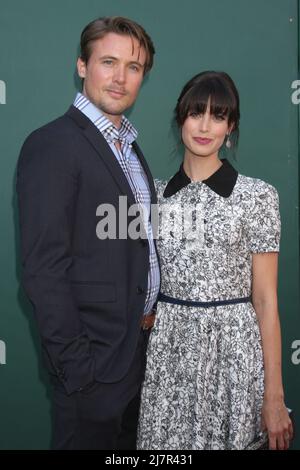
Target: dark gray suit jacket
88	294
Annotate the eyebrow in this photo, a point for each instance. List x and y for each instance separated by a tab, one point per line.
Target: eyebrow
116	58
134	62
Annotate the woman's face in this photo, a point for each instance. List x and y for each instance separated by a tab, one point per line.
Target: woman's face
204	134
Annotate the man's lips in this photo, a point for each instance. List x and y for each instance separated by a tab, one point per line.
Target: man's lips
202	140
116	93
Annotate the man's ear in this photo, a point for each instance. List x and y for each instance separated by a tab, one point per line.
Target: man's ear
81	68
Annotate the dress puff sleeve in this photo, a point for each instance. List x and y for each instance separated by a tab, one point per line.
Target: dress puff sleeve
264	219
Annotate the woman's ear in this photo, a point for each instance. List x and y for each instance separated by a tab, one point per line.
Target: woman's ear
230	128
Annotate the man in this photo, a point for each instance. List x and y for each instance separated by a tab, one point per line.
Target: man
93	296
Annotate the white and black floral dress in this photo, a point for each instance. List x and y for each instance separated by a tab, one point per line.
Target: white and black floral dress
204	379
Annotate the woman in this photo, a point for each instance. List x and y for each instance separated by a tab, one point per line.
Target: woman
213	378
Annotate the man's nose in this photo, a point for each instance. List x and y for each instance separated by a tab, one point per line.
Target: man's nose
119	74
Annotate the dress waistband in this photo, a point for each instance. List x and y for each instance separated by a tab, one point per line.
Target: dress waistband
191	303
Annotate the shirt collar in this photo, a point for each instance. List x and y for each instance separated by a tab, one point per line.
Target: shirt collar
106	127
221	182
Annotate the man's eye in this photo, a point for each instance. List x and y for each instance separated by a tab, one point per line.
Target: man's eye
107	62
134	68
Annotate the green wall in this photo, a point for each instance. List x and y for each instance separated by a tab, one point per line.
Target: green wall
256	42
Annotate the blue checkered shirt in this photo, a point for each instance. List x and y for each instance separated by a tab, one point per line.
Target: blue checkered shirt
136	178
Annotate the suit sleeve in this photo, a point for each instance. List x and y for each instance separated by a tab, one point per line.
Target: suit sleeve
47	187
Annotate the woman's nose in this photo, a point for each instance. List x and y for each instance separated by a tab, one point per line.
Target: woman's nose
204	122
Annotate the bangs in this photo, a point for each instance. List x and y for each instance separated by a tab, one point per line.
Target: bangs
209	90
198	98
198	103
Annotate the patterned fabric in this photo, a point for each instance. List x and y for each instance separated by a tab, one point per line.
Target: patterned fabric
136	178
204	380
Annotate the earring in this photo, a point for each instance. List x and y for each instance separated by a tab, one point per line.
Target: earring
228	141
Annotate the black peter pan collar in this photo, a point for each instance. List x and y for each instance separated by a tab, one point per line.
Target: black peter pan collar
221	182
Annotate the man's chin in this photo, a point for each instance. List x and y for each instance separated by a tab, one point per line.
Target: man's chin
114	110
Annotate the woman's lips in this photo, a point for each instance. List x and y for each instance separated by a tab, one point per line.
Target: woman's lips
202	140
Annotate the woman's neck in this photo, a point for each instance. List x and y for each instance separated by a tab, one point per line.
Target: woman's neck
201	168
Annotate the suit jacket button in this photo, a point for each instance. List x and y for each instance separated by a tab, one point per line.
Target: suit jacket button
139	290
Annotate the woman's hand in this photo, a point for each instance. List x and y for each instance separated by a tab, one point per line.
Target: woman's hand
276	421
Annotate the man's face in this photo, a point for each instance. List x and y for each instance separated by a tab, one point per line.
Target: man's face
113	74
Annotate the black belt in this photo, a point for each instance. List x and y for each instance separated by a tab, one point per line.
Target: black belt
191	303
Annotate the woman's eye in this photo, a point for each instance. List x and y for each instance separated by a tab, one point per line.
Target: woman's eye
219	117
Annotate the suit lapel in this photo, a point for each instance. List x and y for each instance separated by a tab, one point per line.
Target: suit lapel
104	151
99	143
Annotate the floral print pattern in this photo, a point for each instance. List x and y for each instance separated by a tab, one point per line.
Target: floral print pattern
204	379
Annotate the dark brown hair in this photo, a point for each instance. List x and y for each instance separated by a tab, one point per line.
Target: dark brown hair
216	86
98	28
